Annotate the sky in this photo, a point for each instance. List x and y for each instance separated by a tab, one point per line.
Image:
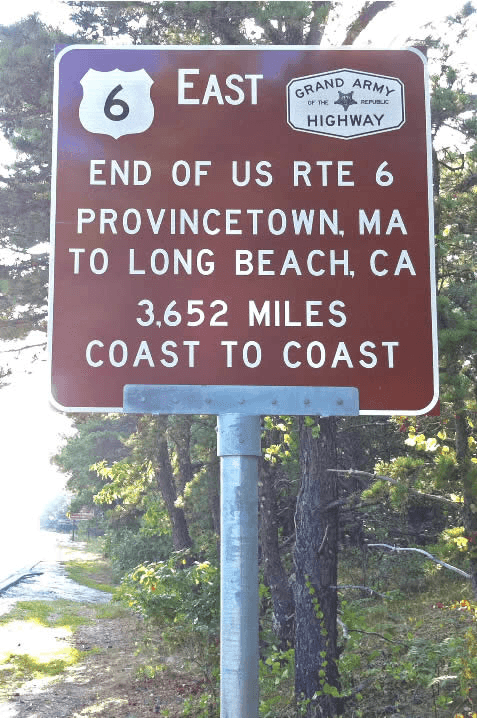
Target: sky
30	429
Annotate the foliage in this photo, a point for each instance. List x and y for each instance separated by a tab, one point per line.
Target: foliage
183	600
94	573
126	549
97	439
415	651
277	672
174	594
26	67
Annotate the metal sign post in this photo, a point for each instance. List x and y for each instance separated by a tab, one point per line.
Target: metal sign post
242	231
238	445
239	448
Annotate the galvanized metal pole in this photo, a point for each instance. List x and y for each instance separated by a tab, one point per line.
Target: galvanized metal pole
239	450
238	409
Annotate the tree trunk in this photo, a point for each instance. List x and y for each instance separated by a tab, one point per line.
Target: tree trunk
179	432
274	574
165	479
316	563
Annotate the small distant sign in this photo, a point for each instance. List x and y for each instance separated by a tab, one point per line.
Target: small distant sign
82	516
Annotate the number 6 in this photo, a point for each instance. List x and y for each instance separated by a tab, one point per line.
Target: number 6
111	102
383	177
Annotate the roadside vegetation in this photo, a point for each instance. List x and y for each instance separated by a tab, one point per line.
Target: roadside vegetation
34	642
358	515
407	637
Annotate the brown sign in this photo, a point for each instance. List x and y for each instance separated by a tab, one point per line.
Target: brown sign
82	516
242	216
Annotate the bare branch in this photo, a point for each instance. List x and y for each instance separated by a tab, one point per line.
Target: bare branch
361	588
454	169
379	635
424	553
21	349
324	540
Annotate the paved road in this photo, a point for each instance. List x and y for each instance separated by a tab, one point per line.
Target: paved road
45	580
10	579
22	546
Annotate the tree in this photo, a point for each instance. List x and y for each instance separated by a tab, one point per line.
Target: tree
26	65
455	227
98	438
315	557
154	435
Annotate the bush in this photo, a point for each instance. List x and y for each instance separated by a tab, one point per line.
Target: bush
184	600
127	549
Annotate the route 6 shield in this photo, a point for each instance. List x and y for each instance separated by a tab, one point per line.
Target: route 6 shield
116	103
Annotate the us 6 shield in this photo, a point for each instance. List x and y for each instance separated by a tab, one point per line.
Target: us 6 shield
116	103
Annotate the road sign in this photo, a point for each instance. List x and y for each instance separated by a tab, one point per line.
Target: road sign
235	216
82	516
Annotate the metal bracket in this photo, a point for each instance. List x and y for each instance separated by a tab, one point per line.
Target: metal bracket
249	400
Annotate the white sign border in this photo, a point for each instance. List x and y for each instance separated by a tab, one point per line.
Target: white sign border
238	48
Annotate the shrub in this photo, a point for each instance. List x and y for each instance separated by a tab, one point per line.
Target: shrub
184	600
127	549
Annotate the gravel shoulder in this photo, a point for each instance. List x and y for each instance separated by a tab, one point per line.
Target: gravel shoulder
114	674
105	683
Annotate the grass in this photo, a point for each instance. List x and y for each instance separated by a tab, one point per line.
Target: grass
50	614
34	641
94	573
34	634
413	653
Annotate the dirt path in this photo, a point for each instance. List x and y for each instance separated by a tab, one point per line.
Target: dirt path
105	684
110	678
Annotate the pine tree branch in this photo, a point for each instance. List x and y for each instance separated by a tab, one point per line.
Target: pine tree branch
367	13
467	183
454	169
378	477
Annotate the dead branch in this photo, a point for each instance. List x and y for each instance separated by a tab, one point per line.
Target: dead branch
343	627
360	588
379	635
424	553
21	349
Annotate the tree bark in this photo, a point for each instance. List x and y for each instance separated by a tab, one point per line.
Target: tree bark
316	563
179	431
274	573
165	479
